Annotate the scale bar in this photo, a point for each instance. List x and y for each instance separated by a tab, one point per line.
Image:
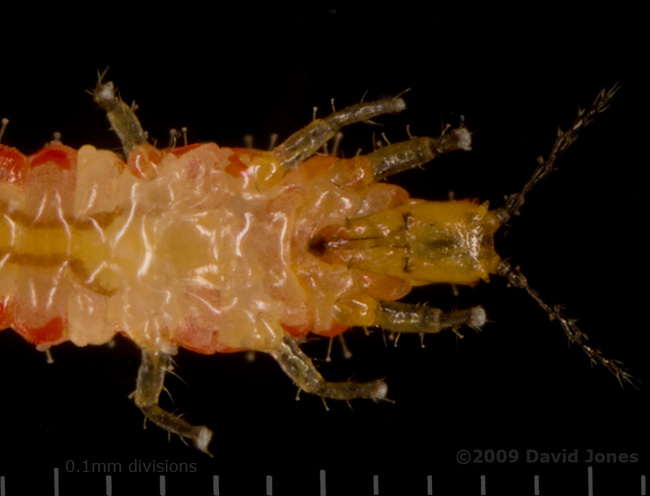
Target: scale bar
215	485
643	493
323	487
483	485
375	485
429	485
109	486
163	491
269	485
56	482
590	481
536	485
3	489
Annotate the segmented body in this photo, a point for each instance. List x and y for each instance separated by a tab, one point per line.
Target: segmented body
226	249
198	256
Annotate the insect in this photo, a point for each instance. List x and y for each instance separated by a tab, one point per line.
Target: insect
218	249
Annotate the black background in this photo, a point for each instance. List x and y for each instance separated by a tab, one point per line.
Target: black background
514	76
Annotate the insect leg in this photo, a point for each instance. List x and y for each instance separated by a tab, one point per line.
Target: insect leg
300	368
309	139
406	155
569	326
5	122
151	377
404	317
122	118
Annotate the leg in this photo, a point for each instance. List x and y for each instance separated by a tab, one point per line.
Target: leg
142	158
5	122
304	143
299	367
399	157
404	317
151	377
122	118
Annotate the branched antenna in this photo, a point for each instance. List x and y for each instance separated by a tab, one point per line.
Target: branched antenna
514	202
563	141
573	333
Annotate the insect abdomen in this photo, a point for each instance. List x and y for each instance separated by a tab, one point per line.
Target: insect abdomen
59	269
36	201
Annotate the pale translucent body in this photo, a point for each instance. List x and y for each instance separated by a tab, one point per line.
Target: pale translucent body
195	254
